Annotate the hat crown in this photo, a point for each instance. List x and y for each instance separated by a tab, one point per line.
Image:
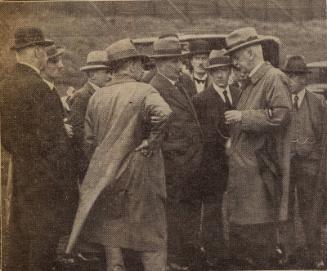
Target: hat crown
30	36
54	50
199	46
97	57
121	49
167	46
241	36
295	64
218	58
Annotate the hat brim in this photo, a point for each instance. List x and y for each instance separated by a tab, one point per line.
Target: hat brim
210	67
44	43
246	44
296	72
94	67
199	53
59	52
170	55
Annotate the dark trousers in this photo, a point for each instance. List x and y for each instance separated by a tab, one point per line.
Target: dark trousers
303	184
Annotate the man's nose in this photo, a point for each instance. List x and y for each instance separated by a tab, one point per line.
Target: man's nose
60	65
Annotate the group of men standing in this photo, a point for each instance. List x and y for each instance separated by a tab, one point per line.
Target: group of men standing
154	163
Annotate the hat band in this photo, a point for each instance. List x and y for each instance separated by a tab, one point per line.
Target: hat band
172	51
123	54
220	61
252	38
95	63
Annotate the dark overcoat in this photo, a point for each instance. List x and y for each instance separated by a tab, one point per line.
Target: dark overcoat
182	147
44	195
210	108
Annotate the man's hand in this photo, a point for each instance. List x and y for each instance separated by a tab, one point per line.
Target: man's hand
69	130
233	116
144	148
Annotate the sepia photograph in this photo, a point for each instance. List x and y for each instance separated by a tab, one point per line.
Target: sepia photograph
163	135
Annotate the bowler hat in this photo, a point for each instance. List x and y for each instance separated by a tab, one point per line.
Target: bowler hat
199	47
217	58
96	60
54	51
167	47
29	36
295	64
242	38
123	50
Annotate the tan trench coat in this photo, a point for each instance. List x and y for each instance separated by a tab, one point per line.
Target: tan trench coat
115	124
258	184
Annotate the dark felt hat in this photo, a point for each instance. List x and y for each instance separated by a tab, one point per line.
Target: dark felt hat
54	51
30	36
199	47
295	64
167	47
217	58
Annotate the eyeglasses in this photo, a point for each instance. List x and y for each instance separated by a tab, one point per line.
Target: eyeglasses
303	141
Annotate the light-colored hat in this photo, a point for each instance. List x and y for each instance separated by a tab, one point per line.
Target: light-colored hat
96	60
54	51
122	50
242	38
295	64
167	47
217	58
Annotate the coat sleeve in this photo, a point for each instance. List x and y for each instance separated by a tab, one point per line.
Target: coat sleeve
155	106
276	111
88	141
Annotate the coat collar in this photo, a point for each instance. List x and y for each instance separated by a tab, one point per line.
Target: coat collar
260	72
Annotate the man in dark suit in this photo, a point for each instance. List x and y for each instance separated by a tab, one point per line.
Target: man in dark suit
211	105
306	153
98	75
33	133
182	150
199	53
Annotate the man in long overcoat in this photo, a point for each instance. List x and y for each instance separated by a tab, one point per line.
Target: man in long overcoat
122	195
211	105
257	190
98	75
33	133
182	150
306	155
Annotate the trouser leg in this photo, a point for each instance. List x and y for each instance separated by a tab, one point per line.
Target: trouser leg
154	260
114	259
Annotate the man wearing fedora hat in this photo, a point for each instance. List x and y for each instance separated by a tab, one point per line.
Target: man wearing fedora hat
211	104
98	75
306	153
199	53
33	133
122	194
259	154
182	150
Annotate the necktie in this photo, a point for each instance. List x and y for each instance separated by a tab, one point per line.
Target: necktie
227	100
296	104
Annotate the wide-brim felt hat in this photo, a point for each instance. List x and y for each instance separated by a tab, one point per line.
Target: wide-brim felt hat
197	47
54	51
242	38
217	59
295	64
96	60
30	36
123	50
168	48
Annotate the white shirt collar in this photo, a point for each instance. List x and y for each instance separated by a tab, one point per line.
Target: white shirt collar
256	68
300	94
220	91
50	84
96	88
171	81
31	66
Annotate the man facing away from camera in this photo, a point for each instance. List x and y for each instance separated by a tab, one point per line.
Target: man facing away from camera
97	73
122	195
33	133
211	104
309	111
182	150
257	190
